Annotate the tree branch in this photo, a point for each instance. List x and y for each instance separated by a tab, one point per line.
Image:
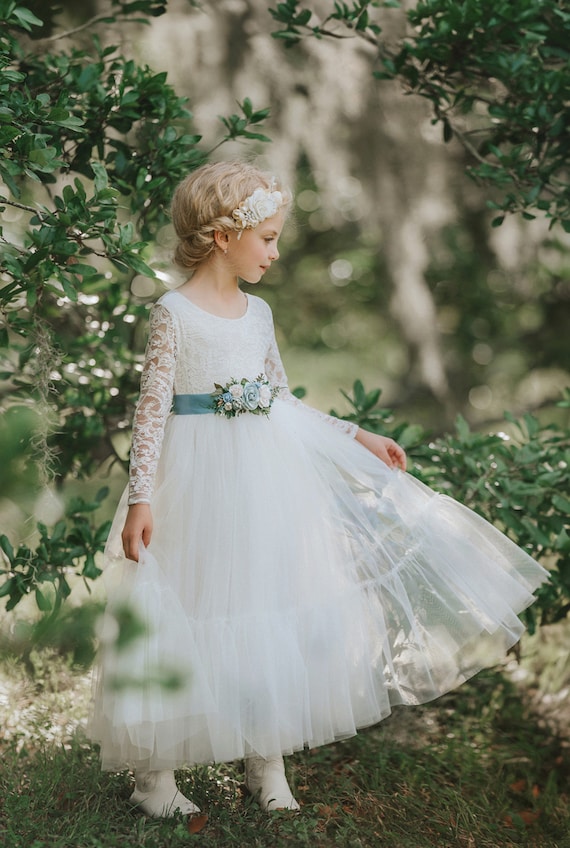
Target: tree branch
94	20
4	200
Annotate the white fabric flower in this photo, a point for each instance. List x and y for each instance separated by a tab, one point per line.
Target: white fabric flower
264	396
257	207
236	390
228	407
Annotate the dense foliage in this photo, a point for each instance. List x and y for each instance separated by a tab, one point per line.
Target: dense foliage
91	146
496	72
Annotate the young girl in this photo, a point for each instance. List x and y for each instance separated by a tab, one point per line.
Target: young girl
288	568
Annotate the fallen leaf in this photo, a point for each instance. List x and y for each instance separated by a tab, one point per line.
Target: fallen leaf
530	816
535	791
518	785
196	823
329	812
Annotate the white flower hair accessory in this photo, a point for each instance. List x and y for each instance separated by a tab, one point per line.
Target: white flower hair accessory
263	203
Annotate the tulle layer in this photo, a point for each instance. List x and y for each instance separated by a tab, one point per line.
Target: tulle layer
299	588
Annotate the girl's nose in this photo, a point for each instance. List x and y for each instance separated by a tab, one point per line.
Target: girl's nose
274	254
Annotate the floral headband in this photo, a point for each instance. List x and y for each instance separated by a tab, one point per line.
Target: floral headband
262	204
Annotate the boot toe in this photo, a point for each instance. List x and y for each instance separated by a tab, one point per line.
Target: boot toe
157	807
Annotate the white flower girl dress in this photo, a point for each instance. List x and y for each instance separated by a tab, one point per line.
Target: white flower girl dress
298	585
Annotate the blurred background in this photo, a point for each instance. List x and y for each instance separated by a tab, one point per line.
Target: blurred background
390	270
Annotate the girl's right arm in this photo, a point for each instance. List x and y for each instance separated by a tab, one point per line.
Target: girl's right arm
152	409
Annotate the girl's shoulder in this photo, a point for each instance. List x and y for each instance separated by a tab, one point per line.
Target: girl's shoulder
168	300
258	305
171	301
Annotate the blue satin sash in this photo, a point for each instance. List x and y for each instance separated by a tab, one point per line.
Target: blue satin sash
193	404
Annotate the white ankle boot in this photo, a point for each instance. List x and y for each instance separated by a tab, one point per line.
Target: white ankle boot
266	780
157	796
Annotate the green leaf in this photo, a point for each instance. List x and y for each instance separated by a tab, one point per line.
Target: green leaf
6	546
561	503
101	177
562	542
139	265
7	587
43	602
258	136
102	494
462	428
359	393
26	18
411	436
90	570
68	288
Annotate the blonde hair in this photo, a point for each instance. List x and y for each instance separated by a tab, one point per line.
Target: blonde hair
203	204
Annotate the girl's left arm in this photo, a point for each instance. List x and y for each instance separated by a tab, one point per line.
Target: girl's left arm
381	446
277	377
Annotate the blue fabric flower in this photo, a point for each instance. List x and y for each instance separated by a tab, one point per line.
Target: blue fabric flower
250	396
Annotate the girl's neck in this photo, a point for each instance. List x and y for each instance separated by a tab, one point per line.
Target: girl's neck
212	288
215	277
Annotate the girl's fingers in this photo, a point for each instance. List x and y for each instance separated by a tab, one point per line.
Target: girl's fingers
398	455
137	530
131	551
131	547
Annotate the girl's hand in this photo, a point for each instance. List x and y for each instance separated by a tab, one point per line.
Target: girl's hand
137	529
384	448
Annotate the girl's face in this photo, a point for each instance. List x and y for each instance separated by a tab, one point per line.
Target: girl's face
253	253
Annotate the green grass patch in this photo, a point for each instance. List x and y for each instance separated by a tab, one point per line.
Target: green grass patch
476	769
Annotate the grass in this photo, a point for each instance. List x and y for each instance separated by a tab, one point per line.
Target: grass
477	769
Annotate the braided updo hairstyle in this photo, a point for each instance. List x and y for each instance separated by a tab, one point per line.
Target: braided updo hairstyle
203	204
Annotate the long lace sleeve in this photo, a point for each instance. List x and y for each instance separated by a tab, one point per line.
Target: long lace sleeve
277	377
153	405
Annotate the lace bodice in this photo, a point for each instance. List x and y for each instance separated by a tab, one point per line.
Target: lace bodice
188	351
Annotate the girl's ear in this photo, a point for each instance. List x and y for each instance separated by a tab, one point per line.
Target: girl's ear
222	240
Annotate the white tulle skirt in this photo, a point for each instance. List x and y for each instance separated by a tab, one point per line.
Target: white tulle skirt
299	588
